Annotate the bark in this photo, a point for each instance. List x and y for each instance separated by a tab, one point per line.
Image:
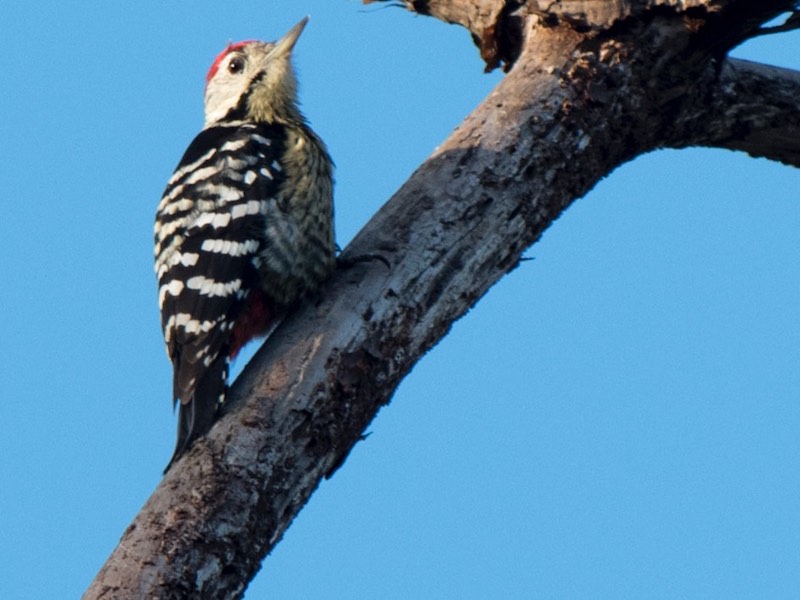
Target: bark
582	98
496	25
754	108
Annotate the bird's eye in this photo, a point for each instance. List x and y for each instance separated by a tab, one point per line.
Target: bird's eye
236	65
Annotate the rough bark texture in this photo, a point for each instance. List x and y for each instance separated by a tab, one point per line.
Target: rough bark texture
578	102
756	110
497	25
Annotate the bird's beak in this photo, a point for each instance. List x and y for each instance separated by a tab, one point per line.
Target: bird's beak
286	43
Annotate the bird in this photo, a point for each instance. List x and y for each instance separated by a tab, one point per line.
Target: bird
244	231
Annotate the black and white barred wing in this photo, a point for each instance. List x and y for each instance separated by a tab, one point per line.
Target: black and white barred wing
211	225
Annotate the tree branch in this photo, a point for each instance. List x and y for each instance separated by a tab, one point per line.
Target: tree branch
753	108
496	25
574	107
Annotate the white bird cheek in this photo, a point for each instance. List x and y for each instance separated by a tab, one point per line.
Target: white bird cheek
222	95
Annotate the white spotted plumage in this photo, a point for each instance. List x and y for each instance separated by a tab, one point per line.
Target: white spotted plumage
244	228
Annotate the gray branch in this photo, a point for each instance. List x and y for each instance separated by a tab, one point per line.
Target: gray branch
575	106
753	108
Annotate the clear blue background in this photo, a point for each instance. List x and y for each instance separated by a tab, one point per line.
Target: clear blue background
618	418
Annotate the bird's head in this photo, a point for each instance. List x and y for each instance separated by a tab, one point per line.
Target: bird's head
254	81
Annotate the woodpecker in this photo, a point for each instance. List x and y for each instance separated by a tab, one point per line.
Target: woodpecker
244	230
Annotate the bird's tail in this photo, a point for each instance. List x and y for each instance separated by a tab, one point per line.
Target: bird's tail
196	416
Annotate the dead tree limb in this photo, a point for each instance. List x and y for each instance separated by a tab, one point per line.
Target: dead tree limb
585	93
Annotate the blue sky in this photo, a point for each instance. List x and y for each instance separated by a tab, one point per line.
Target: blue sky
617	418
